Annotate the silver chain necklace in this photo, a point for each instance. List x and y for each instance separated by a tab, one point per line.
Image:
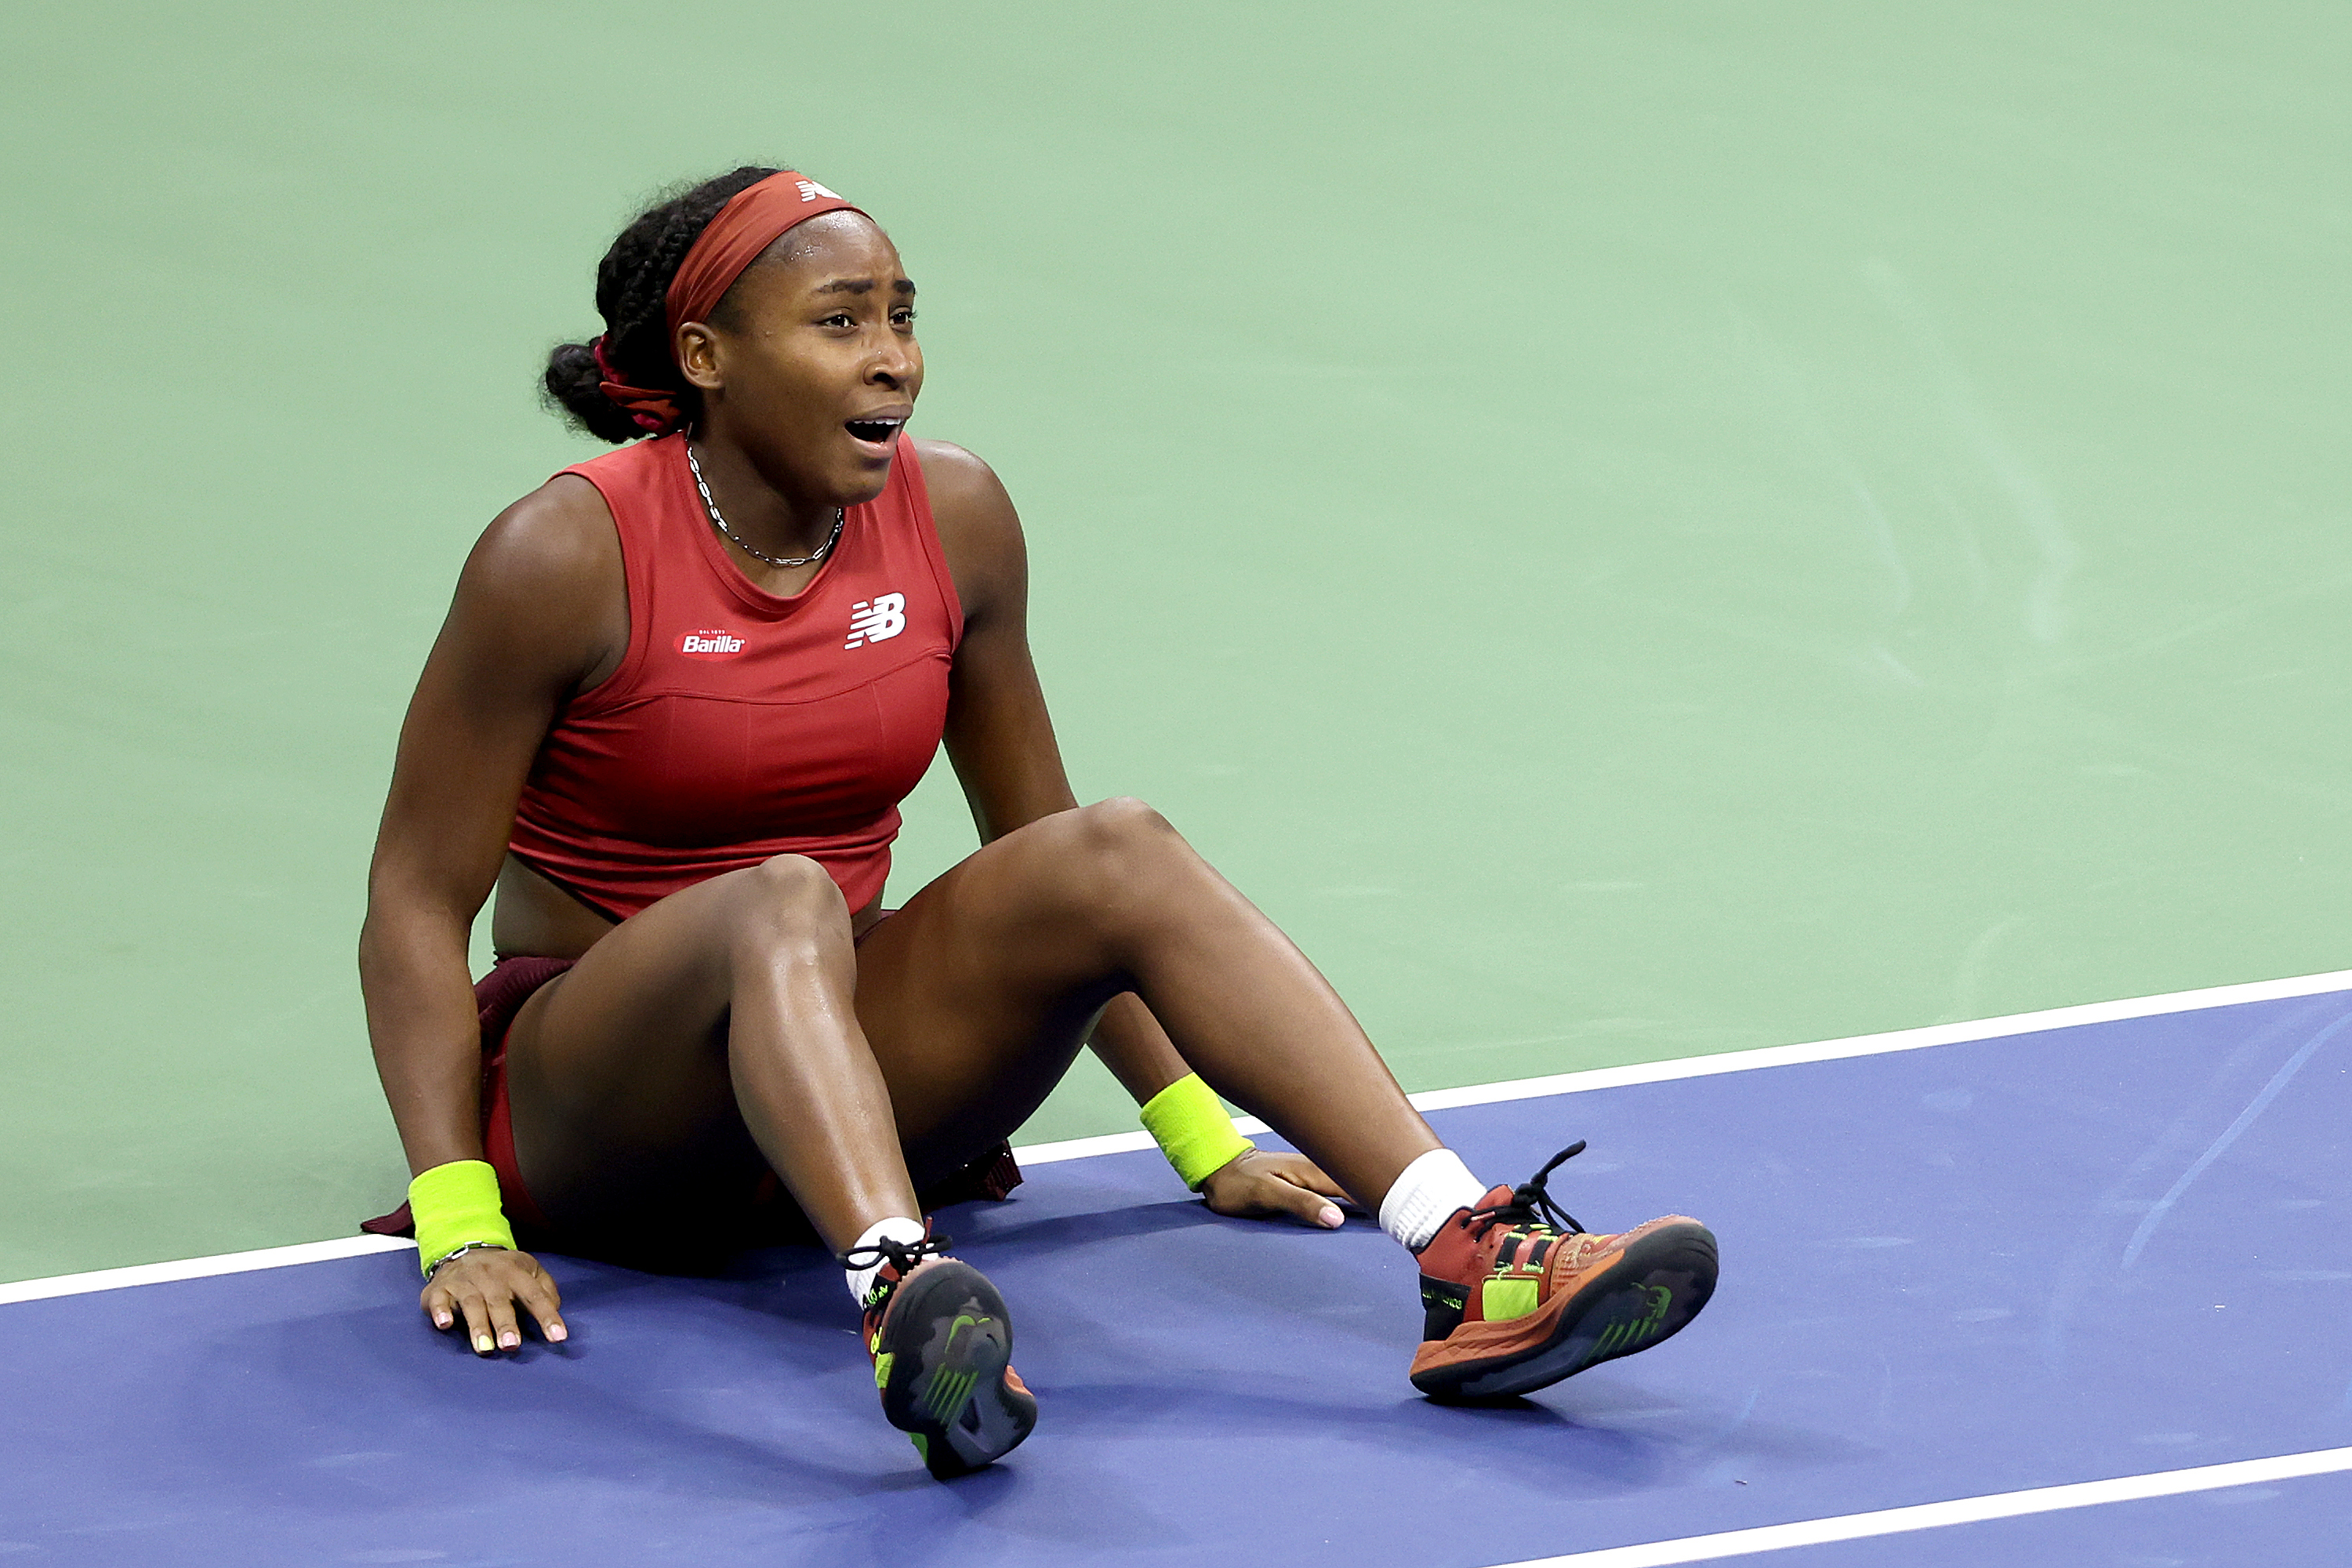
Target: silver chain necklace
819	554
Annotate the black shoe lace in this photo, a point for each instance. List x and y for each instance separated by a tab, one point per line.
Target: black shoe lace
1531	1201
901	1255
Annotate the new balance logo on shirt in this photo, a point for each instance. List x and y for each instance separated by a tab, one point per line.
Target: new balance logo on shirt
876	620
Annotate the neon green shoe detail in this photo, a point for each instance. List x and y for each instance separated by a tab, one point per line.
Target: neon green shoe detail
882	1369
1501	1300
949	1393
923	1446
1627	1334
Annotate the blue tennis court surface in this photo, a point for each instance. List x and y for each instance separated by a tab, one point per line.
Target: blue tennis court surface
1970	1269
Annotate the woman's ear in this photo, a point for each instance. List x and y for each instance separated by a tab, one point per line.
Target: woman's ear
697	357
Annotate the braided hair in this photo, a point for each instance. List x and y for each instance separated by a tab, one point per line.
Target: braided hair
632	286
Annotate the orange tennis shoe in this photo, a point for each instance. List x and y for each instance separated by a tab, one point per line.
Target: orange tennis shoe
942	1347
1518	1295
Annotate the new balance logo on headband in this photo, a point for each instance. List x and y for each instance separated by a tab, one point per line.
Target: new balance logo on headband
885	617
810	190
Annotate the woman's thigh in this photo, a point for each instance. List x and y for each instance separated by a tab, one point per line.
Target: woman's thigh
617	1071
973	999
977	996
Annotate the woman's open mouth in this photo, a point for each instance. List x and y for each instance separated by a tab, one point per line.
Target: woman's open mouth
877	432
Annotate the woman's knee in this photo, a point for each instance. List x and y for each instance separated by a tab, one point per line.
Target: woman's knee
787	899
1122	828
1120	848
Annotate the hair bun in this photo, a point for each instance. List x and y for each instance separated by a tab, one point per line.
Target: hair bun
573	381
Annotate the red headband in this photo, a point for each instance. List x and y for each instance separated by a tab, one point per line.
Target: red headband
750	222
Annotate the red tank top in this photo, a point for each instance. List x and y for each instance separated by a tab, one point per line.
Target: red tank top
741	725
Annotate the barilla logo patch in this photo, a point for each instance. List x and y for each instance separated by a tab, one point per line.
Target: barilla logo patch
710	643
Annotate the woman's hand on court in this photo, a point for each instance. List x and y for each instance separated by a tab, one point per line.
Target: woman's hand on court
483	1287
1266	1183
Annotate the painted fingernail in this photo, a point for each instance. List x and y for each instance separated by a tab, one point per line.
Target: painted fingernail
1332	1218
557	1331
482	1343
441	1320
508	1340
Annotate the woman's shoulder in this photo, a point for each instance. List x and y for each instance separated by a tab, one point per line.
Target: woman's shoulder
545	583
980	532
968	501
560	534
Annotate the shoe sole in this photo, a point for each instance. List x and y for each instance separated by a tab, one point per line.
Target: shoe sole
1656	1284
947	1381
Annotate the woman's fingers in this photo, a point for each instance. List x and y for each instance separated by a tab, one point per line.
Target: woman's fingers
476	1310
537	1293
503	1325
1286	1196
483	1288
438	1304
1257	1184
1298	1168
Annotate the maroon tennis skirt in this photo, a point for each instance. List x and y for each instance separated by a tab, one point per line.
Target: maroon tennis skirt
500	994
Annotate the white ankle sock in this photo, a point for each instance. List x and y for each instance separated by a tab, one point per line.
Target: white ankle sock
1426	1193
905	1231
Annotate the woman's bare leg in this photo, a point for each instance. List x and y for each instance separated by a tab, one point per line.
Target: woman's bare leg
712	1033
734	1024
976	994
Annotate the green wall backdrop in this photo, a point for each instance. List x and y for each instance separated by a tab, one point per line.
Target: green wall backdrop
1632	529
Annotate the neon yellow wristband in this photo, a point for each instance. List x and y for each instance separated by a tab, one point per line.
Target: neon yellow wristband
456	1205
1191	1126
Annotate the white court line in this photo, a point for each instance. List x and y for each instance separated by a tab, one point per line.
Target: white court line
1782	1056
201	1267
1961	1510
1432	1099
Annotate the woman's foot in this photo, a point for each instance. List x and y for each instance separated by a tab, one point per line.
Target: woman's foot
942	1346
1519	1296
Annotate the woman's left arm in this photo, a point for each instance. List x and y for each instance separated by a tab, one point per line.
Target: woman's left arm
1000	740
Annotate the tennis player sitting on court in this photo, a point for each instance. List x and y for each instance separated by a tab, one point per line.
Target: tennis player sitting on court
680	692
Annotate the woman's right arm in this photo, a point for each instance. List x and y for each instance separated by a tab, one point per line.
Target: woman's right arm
534	619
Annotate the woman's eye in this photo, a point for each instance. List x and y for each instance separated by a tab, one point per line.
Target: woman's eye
839	319
903	317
